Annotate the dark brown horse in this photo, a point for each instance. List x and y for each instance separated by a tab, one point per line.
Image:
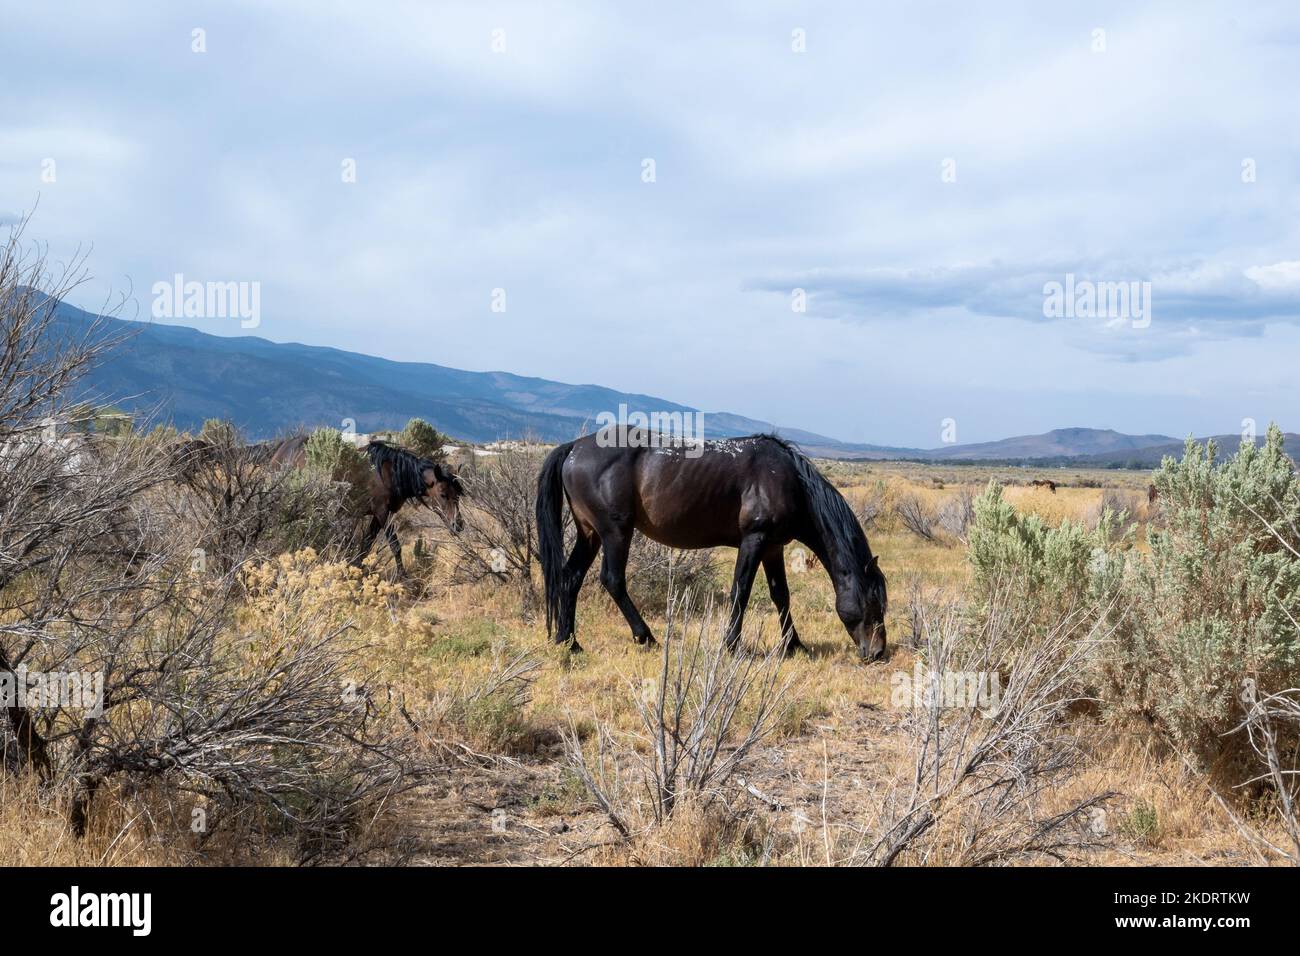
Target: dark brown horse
755	494
1044	483
397	476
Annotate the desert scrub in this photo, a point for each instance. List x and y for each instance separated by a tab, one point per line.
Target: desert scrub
656	573
1057	566
329	455
1217	600
327	501
368	607
290	582
701	716
489	715
1142	824
408	657
1047	577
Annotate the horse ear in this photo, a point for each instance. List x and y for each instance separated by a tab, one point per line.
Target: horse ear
438	473
873	562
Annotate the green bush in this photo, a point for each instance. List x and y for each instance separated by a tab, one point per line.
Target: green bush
1052	572
1218	598
326	502
330	456
423	439
221	432
1051	587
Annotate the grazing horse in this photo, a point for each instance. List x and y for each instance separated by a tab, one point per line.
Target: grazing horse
755	494
397	476
1044	483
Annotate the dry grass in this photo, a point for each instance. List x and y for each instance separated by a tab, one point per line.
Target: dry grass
34	832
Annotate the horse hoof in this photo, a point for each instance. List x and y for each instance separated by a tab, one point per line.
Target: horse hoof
795	647
575	647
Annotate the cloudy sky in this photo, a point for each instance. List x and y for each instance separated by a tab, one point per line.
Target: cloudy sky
921	171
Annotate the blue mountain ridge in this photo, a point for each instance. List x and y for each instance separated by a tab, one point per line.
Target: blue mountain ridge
184	376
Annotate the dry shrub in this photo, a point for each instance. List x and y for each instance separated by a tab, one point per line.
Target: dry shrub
489	716
868	504
482	716
1270	725
922	601
957	513
499	541
1123	506
170	695
694	837
985	764
276	725
917	516
704	714
234	505
656	572
256	724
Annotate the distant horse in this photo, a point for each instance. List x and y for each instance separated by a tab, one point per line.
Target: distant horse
1044	483
755	494
1152	494
397	476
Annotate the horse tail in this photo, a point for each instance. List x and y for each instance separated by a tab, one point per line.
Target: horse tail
550	535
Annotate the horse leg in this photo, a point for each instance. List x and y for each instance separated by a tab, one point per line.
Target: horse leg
395	546
774	568
747	559
613	574
575	572
367	541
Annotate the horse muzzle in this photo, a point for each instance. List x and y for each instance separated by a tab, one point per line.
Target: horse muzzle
872	646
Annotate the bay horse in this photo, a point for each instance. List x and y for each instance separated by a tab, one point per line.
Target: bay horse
396	477
755	494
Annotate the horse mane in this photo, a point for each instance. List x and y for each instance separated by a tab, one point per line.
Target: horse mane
407	467
831	515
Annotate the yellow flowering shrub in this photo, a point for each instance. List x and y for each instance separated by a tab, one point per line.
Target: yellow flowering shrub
284	590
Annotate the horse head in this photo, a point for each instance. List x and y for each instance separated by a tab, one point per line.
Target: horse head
442	492
861	606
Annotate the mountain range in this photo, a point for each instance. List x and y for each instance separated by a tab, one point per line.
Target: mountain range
185	376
